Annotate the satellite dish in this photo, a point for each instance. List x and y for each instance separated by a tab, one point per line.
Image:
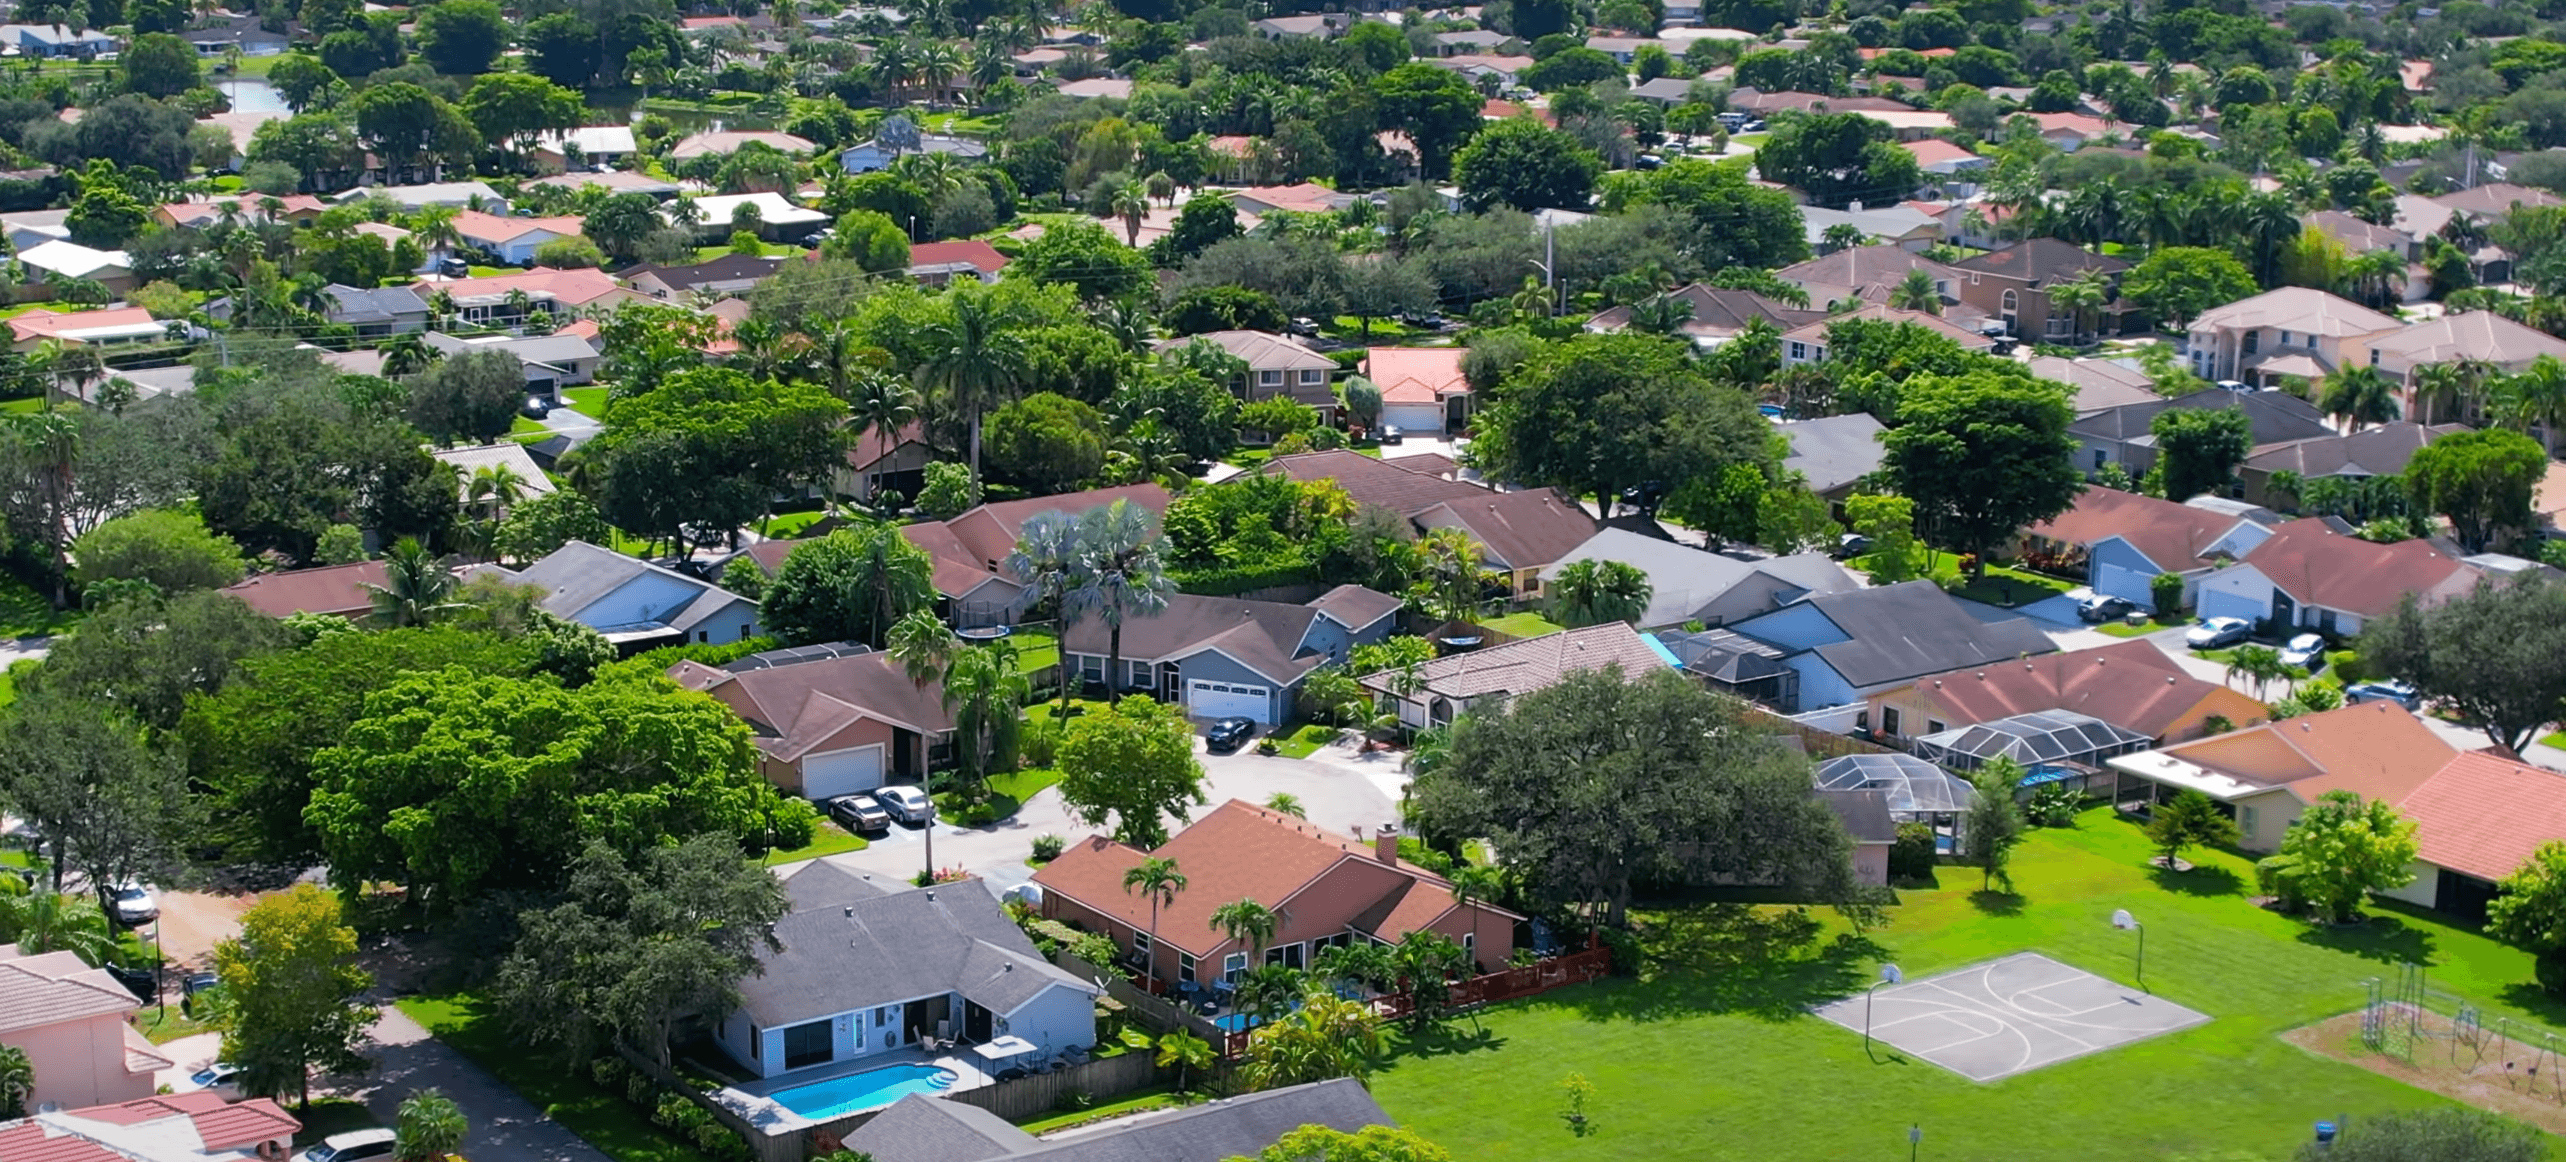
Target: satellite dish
2123	920
1890	974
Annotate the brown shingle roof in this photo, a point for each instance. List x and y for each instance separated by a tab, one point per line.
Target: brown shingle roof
1717	312
2129	684
2042	261
1519	530
2172	535
2315	565
798	706
339	589
972	548
1264	636
2381	450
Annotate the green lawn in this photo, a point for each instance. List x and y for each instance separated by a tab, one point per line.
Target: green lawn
1036	649
26	613
2125	629
23	407
521	426
587	401
1715	1050
1154	1098
567	1096
1525	624
1303	743
1040	714
1007	795
169	1025
1997	585
826	839
2557	740
785	526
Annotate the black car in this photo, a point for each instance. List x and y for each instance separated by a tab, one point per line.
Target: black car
192	986
859	813
142	982
454	268
1391	435
535	408
1228	733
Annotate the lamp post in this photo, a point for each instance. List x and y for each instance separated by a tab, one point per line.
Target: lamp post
930	831
1889	974
1915	1140
2121	919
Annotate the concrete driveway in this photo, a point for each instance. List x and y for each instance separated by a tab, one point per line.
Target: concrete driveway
504	1125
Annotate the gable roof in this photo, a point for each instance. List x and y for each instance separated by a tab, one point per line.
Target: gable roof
1235	851
1416	374
971	252
1929	151
568	287
1816	333
2316	565
725	268
218	1124
2357	235
2470	334
1834	451
797	706
2042	261
42	323
49	988
2130	684
1717	312
1263	350
732	140
339	589
2373	749
896	947
2171	535
2496	199
2484	813
1518	530
374	304
1229	1128
1861	266
2272	416
2099	383
1683	579
2305	310
1264	636
1377	482
918	1128
1521	667
1910	629
1354	606
476	226
2378	450
578	575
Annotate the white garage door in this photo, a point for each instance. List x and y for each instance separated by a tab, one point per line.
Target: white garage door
842	772
2126	584
1223	700
1413	417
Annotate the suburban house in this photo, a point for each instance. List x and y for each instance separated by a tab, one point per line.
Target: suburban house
56	40
777	218
299	209
493	301
830	720
69	1019
53	262
2484	336
1326	890
550	362
727	274
1518	533
2126	435
376	312
1897	227
636	604
1449	686
187	1127
939	263
506	454
2356	236
2378	450
869	966
613	182
870	156
1846	646
1718	314
725	142
1868	274
2098	383
1225	657
470	195
1300	198
2013	285
2124	540
588	145
1316	26
2308	575
1944	159
1835	452
2131	684
2485	205
1687	584
1808	343
337	590
893	460
1276	365
117	325
1864	812
1476	40
970	551
1422	389
2070	131
512	240
923	1128
2292	331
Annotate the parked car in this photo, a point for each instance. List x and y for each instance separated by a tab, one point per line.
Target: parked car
1228	734
2385	690
454	268
221	1077
535	408
1851	545
192	986
2104	607
1391	435
142	982
859	813
2234	385
2306	651
352	1146
2217	632
1306	328
135	904
907	804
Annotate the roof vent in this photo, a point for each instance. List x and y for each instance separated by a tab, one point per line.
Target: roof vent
850	911
2169	679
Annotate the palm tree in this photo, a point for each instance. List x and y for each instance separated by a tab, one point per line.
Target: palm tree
937	65
1246	922
1187	1052
1047	559
2260	665
2536	396
2358	394
17	1082
49	443
684	213
1160	881
2376	275
416	589
1842	236
985	693
1131	204
1916	293
2452	390
990	63
435	226
1286	803
1659	314
1452	561
38	920
2083	297
1592	592
407	355
1163	188
923	645
428	1127
976	358
499	487
1120	574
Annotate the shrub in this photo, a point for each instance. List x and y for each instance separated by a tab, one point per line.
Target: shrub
1627	956
1265	746
2346	666
1048	847
1096	948
2054	805
2166	590
1039	746
2550	969
1074	1100
1911	856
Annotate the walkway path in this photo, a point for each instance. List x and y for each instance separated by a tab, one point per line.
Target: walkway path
504	1125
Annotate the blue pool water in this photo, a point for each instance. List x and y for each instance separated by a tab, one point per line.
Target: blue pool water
1234	1022
822	1100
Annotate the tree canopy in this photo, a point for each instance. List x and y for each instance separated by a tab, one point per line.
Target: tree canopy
1132	765
2496	654
1982	455
1598	414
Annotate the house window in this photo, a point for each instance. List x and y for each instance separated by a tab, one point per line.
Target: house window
1469	942
2245	821
1269	378
1314	377
1289	956
806	1044
2101	457
1889	721
703	635
1185	967
2285	338
1233	966
1799	350
1140	943
2013	302
1092	668
2253	342
1934	726
2374	357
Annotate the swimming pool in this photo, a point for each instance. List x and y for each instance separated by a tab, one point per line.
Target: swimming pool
855	1092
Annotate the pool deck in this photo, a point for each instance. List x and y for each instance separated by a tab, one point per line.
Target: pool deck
753	1099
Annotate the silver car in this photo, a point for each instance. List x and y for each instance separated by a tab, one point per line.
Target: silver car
906	804
2306	651
2214	632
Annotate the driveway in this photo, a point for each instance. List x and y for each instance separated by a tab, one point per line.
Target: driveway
504	1125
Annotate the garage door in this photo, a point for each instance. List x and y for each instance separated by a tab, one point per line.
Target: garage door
1224	700
1414	417
2127	584
2227	603
842	772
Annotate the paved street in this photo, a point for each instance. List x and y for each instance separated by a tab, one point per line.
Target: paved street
505	1127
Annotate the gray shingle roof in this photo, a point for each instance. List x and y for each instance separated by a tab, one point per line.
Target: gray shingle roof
1229	1128
2275	416
1684	580
1521	667
858	953
1910	629
578	574
1835	451
918	1128
380	304
1865	814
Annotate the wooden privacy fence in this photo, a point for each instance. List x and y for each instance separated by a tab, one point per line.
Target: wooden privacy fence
1027	1097
1504	985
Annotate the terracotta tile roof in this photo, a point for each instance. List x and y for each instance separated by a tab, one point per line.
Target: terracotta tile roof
219	1124
1880	313
980	255
2315	565
2484	814
1934	149
30	1142
41	323
2172	535
476	226
569	287
140	1055
1416	374
2374	749
191	213
2129	684
2085	124
970	549
53	987
339	589
1860	266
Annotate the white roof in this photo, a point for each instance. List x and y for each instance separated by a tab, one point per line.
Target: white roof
2184	775
430	194
593	139
467	461
73	259
772	209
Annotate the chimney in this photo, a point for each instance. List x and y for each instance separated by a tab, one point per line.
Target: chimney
1385	844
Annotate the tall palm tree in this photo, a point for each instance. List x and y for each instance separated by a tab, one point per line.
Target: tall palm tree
685	213
985	693
1160	881
1131	204
1453	563
2535	397
1047	559
428	1127
2376	276
990	63
976	358
416	587
2358	395
1916	293
2451	390
1120	574
937	64
498	487
923	645
1842	236
407	355
1593	591
1246	922
435	226
2083	297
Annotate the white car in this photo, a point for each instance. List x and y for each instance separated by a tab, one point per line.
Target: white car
220	1077
906	804
352	1146
2214	632
135	904
2306	651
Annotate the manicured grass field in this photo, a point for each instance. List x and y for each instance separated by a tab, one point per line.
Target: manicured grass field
826	839
158	1027
1036	649
1997	585
1303	743
1525	624
1007	795
587	401
568	1096
785	526
1714	1057
2124	629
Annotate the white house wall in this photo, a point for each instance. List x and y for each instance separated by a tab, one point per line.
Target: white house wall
1057	1019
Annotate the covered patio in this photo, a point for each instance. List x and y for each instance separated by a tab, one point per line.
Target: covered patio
2045	742
1916	790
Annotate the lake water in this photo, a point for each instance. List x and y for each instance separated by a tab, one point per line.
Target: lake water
252	95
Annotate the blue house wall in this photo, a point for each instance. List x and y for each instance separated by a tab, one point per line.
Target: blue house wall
2120	570
1797	627
1820	685
1214	666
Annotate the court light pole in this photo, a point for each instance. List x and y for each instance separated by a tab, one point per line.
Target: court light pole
2121	919
1889	974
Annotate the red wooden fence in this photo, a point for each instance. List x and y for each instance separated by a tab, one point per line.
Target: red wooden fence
1504	985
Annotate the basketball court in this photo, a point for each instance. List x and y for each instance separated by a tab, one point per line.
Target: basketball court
1994	1020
